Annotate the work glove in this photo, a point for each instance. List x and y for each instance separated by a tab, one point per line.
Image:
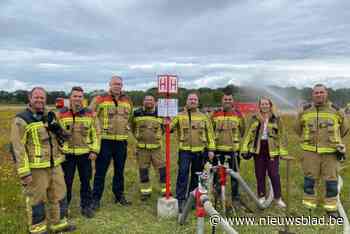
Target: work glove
211	155
341	152
55	128
247	155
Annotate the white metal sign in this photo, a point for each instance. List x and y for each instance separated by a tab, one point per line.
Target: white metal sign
167	84
167	107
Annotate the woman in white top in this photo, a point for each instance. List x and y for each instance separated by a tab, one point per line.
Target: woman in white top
265	140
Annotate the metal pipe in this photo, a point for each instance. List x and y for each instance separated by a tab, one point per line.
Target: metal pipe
213	213
346	224
200	225
246	188
187	208
223	199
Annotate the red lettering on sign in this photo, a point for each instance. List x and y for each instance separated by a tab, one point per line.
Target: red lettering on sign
167	84
173	84
162	84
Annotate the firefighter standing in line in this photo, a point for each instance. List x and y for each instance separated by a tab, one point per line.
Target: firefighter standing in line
321	126
265	139
195	137
82	147
148	129
114	111
35	137
229	127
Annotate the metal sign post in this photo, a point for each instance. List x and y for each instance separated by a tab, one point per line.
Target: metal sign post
167	84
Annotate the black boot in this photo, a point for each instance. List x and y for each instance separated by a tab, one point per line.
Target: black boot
87	212
181	204
68	228
236	202
95	205
145	196
122	201
334	214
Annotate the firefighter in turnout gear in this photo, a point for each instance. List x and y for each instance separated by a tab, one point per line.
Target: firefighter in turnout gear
229	127
82	147
148	129
114	111
321	126
266	140
35	139
195	138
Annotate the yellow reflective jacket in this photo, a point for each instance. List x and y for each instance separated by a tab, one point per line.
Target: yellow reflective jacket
321	128
83	130
147	128
33	145
194	130
229	129
114	115
277	139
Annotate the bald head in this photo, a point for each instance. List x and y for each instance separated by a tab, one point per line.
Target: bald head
319	94
192	101
116	85
37	99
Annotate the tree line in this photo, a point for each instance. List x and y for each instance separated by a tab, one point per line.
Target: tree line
284	97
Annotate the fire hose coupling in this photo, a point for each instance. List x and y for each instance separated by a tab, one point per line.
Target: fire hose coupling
341	152
203	179
204	199
200	211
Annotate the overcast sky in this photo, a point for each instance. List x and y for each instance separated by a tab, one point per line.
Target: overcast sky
210	43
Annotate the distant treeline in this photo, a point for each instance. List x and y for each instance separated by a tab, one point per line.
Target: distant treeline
288	97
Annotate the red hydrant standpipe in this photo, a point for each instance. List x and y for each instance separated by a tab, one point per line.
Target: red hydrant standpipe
167	160
222	174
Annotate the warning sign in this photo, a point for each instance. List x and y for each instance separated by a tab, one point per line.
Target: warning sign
167	84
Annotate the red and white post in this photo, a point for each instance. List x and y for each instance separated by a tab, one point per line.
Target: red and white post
167	206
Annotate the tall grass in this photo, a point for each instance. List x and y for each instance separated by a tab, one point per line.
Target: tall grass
141	217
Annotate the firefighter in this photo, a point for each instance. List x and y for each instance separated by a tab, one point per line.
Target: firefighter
82	147
229	127
321	126
265	140
35	139
114	111
195	138
148	129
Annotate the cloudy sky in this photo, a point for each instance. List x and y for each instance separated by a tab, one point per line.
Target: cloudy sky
210	43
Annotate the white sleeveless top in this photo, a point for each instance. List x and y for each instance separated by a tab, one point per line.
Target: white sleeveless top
265	134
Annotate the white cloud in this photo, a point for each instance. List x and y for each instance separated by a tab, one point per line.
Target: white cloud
141	66
53	66
12	85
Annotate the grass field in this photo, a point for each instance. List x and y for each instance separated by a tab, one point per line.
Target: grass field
141	217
